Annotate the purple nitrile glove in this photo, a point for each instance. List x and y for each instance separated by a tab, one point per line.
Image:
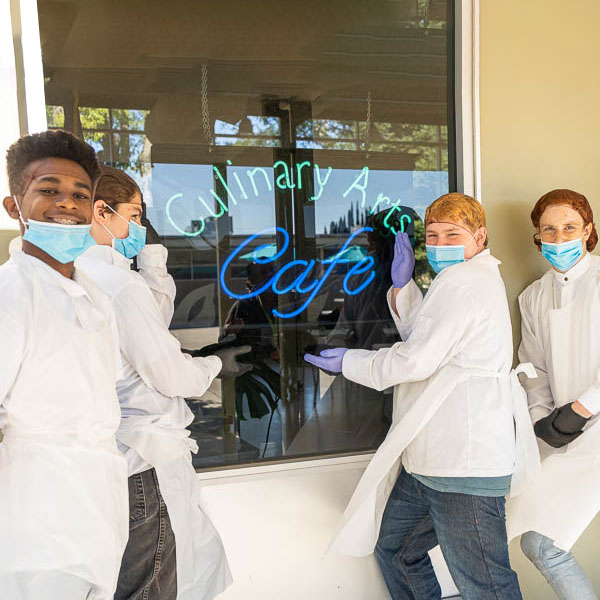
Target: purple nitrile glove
403	264
329	360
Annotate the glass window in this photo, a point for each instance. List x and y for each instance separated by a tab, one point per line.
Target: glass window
279	146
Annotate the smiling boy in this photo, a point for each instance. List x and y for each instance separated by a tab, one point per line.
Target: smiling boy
63	482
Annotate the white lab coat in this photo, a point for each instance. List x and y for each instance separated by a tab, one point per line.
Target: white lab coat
152	266
155	416
455	404
560	316
63	483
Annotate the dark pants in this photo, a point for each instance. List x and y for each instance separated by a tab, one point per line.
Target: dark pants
470	530
149	568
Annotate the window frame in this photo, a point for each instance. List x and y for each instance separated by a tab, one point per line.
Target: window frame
463	126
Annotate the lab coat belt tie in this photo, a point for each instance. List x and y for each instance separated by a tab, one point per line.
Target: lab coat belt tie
155	444
89	437
359	528
527	465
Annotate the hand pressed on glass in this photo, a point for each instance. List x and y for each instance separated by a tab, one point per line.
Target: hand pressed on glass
403	264
328	360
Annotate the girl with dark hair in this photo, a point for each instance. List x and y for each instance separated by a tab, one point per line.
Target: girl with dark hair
560	330
173	551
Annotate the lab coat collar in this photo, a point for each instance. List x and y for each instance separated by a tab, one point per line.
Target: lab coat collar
108	254
73	287
574	272
481	254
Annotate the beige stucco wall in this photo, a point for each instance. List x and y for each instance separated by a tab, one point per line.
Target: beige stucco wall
539	93
5	236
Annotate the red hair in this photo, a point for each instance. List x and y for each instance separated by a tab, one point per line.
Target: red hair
578	202
457	208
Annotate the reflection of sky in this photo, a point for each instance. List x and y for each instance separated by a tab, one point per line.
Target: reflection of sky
189	180
416	189
257	211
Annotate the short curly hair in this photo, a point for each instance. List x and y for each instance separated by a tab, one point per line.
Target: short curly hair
563	197
54	143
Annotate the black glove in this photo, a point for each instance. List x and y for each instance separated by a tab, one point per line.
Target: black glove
568	421
152	236
545	429
211	349
231	367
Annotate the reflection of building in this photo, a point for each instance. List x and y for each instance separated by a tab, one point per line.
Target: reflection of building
208	226
311	100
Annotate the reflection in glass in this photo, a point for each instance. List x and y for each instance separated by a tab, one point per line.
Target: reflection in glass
334	130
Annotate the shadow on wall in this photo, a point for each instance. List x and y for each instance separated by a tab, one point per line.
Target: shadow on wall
510	234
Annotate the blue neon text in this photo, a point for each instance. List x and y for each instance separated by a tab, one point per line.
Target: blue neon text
299	283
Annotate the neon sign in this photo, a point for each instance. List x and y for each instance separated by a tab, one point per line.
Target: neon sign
299	283
285	178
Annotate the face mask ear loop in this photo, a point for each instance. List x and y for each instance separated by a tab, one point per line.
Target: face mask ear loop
109	231
474	234
118	214
21	218
26	225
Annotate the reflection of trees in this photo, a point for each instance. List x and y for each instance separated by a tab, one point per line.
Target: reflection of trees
117	135
55	116
428	141
353	218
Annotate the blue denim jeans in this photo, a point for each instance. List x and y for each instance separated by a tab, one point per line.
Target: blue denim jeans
471	532
561	570
149	566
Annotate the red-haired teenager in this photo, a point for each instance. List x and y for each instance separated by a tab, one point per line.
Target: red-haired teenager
560	327
442	472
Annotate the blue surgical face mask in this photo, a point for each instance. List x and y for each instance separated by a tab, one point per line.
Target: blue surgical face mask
441	257
131	245
64	243
563	256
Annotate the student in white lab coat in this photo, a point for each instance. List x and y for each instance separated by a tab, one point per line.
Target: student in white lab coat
560	327
453	430
63	481
174	551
